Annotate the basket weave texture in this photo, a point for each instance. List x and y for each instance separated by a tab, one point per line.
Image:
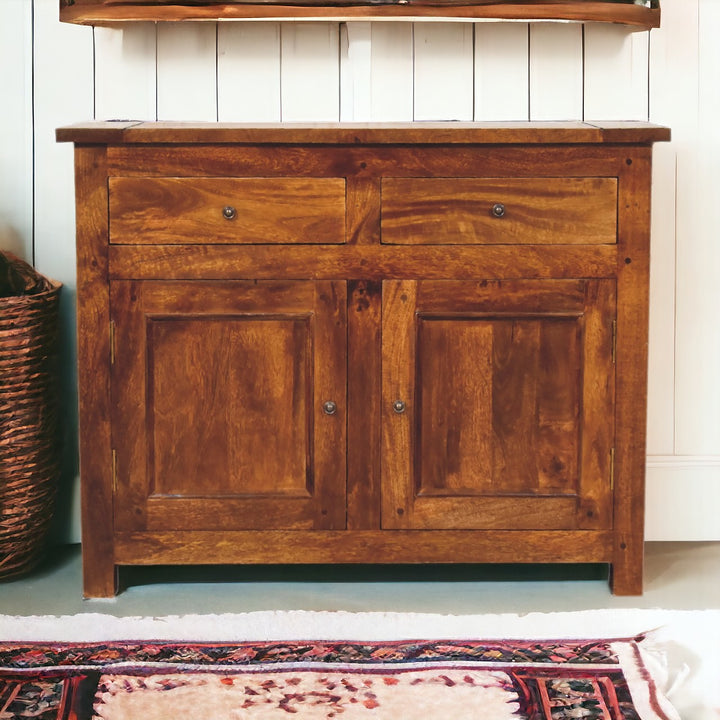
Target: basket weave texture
29	445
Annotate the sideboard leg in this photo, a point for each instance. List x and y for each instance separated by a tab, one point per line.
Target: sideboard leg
626	571
100	579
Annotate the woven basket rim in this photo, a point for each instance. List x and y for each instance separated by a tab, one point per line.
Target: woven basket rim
53	286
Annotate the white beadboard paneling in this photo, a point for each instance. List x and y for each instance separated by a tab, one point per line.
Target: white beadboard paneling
125	72
698	258
556	71
310	71
355	72
616	73
392	72
682	498
674	92
443	71
63	95
16	148
187	71
249	72
63	82
501	71
673	80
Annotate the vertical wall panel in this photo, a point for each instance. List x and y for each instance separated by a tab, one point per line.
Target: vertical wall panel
673	101
310	72
443	71
355	72
616	73
249	72
16	149
187	71
63	95
391	91
125	69
501	71
556	74
697	425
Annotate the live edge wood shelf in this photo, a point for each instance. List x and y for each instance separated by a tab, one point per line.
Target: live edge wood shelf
419	343
107	12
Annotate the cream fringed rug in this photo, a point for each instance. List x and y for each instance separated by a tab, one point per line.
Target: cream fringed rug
332	665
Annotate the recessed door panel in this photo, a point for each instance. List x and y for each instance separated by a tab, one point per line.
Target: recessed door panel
220	395
507	393
230	405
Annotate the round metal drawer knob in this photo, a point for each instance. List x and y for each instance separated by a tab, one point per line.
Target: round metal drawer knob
329	407
498	210
229	212
399	406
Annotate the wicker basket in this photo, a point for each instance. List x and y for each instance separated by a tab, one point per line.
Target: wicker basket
29	447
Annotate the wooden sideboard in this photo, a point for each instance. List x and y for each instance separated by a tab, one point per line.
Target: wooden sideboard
420	343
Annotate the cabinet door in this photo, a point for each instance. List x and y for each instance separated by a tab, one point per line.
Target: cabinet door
220	393
498	404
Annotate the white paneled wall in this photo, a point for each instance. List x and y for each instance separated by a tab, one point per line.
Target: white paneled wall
556	72
249	72
403	71
16	126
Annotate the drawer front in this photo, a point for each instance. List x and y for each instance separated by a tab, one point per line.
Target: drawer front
157	211
499	211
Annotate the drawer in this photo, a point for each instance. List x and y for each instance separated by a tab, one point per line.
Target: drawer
157	211
499	211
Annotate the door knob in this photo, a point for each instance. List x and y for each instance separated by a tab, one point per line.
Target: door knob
329	407
399	406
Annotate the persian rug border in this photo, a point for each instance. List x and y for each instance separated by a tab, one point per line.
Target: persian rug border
549	678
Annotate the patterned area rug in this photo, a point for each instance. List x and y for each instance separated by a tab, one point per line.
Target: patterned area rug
401	680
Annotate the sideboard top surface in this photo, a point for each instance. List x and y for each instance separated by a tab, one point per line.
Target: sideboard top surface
130	133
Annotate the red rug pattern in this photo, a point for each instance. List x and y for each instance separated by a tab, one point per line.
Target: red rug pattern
491	680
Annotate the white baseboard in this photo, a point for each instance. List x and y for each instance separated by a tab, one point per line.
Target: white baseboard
682	498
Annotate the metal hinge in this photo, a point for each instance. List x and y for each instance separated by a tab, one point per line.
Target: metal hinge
112	342
114	472
612	469
614	340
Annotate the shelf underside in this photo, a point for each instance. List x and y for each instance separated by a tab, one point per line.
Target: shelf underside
102	12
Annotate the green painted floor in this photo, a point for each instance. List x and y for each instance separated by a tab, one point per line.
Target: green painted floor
678	576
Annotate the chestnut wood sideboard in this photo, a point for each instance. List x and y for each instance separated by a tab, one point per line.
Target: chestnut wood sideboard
419	343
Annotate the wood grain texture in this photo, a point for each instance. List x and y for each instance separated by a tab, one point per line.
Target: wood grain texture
364	404
97	12
502	354
598	402
189	211
220	419
507	386
363	133
556	211
361	261
631	374
358	546
93	323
